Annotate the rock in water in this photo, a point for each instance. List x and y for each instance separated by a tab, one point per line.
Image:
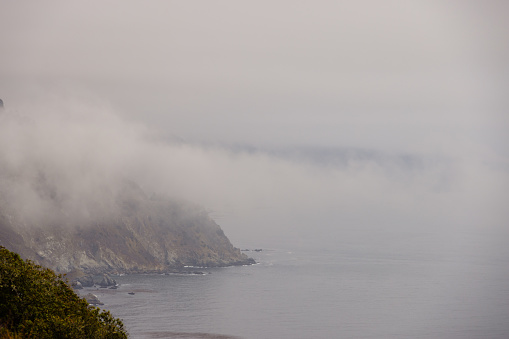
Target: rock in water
92	299
76	285
86	281
107	281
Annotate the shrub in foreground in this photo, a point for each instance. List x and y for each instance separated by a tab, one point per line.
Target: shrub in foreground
37	303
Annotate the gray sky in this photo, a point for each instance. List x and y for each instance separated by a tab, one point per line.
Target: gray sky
287	113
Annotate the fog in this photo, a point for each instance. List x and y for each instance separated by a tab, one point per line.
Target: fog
289	121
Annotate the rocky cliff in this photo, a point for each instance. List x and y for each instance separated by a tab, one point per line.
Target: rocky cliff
121	230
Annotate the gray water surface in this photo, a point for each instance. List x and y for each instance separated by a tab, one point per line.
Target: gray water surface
409	290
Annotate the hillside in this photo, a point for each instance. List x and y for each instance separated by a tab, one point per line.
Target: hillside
36	303
120	230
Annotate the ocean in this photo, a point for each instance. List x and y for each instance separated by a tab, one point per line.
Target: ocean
414	287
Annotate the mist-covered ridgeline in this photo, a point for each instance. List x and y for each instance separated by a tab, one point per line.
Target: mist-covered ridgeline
70	167
69	200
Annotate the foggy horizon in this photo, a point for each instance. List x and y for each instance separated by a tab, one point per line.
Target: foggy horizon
357	151
281	118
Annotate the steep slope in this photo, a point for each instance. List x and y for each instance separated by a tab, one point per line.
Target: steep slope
121	230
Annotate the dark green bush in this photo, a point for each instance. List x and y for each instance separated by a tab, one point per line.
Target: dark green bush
37	303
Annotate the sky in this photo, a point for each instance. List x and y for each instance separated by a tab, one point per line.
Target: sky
286	119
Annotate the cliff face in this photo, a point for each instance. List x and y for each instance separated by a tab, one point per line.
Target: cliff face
122	231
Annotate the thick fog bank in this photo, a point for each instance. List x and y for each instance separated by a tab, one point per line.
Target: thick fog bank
257	194
286	120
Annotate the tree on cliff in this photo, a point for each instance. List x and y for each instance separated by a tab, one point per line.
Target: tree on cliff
36	303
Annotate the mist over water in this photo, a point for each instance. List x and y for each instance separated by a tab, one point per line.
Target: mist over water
289	194
357	242
368	139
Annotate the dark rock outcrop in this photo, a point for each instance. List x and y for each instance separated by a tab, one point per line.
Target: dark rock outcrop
92	299
76	285
106	281
86	281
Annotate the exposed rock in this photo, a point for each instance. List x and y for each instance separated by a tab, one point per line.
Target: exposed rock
86	281
120	231
92	299
76	285
107	281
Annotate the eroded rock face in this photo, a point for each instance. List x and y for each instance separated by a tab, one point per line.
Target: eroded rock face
92	299
107	281
121	231
76	285
86	281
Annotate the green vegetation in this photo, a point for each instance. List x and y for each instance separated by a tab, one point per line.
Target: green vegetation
36	303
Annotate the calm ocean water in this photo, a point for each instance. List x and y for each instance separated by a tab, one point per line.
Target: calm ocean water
412	287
